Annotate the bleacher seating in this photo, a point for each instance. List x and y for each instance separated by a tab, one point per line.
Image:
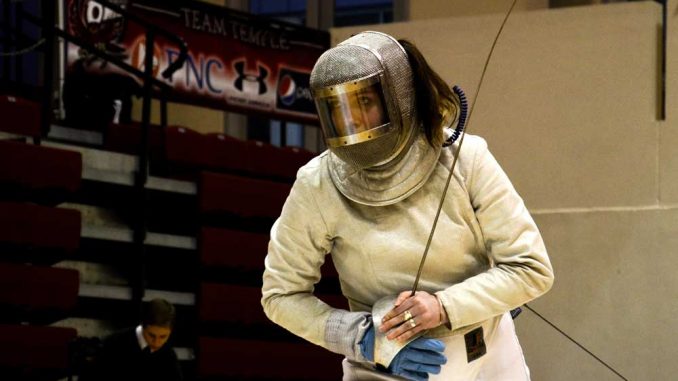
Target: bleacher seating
231	304
36	293
31	177
185	149
294	158
180	150
240	184
232	248
39	227
126	138
34	352
241	304
242	196
281	163
226	153
245	251
237	181
268	360
36	173
20	116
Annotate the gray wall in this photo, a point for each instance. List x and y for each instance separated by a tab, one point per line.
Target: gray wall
570	109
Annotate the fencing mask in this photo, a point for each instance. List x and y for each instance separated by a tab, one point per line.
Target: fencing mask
364	93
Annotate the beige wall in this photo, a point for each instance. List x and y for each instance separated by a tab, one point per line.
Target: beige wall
428	9
668	133
569	108
197	118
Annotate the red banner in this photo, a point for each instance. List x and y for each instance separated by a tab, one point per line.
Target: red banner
237	61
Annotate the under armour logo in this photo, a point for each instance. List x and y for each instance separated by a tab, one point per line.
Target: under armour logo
245	78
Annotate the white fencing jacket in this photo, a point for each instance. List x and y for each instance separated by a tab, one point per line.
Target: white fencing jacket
487	256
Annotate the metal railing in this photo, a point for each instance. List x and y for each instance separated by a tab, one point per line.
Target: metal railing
47	42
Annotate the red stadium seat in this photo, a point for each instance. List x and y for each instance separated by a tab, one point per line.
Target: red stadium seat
39	227
23	346
232	248
126	138
264	159
246	197
37	293
245	250
230	359
20	116
226	153
184	148
229	303
293	159
241	304
268	160
38	172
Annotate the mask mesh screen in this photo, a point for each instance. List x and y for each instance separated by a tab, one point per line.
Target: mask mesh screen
342	64
350	61
369	153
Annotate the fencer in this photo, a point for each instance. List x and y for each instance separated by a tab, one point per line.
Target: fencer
369	201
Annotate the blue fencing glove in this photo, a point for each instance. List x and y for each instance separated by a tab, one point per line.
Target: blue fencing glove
419	359
367	344
415	362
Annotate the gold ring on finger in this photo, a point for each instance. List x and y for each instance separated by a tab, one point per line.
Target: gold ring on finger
412	323
407	315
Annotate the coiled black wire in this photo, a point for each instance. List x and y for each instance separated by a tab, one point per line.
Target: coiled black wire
463	114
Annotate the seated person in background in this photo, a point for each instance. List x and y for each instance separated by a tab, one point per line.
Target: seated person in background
142	353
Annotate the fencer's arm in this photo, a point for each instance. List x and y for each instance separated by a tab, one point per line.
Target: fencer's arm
522	270
297	249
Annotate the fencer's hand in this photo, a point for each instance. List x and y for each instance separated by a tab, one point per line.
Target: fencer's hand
419	359
411	315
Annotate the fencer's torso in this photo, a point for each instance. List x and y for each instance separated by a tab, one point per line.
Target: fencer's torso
486	257
377	249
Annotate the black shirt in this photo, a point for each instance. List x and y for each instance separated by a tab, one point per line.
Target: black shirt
121	358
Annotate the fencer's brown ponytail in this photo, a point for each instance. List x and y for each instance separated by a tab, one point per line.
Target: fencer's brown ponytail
434	99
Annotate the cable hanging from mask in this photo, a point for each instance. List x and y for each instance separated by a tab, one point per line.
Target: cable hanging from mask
463	114
447	183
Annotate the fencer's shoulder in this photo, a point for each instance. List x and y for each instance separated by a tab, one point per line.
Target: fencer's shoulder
313	172
472	144
473	148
